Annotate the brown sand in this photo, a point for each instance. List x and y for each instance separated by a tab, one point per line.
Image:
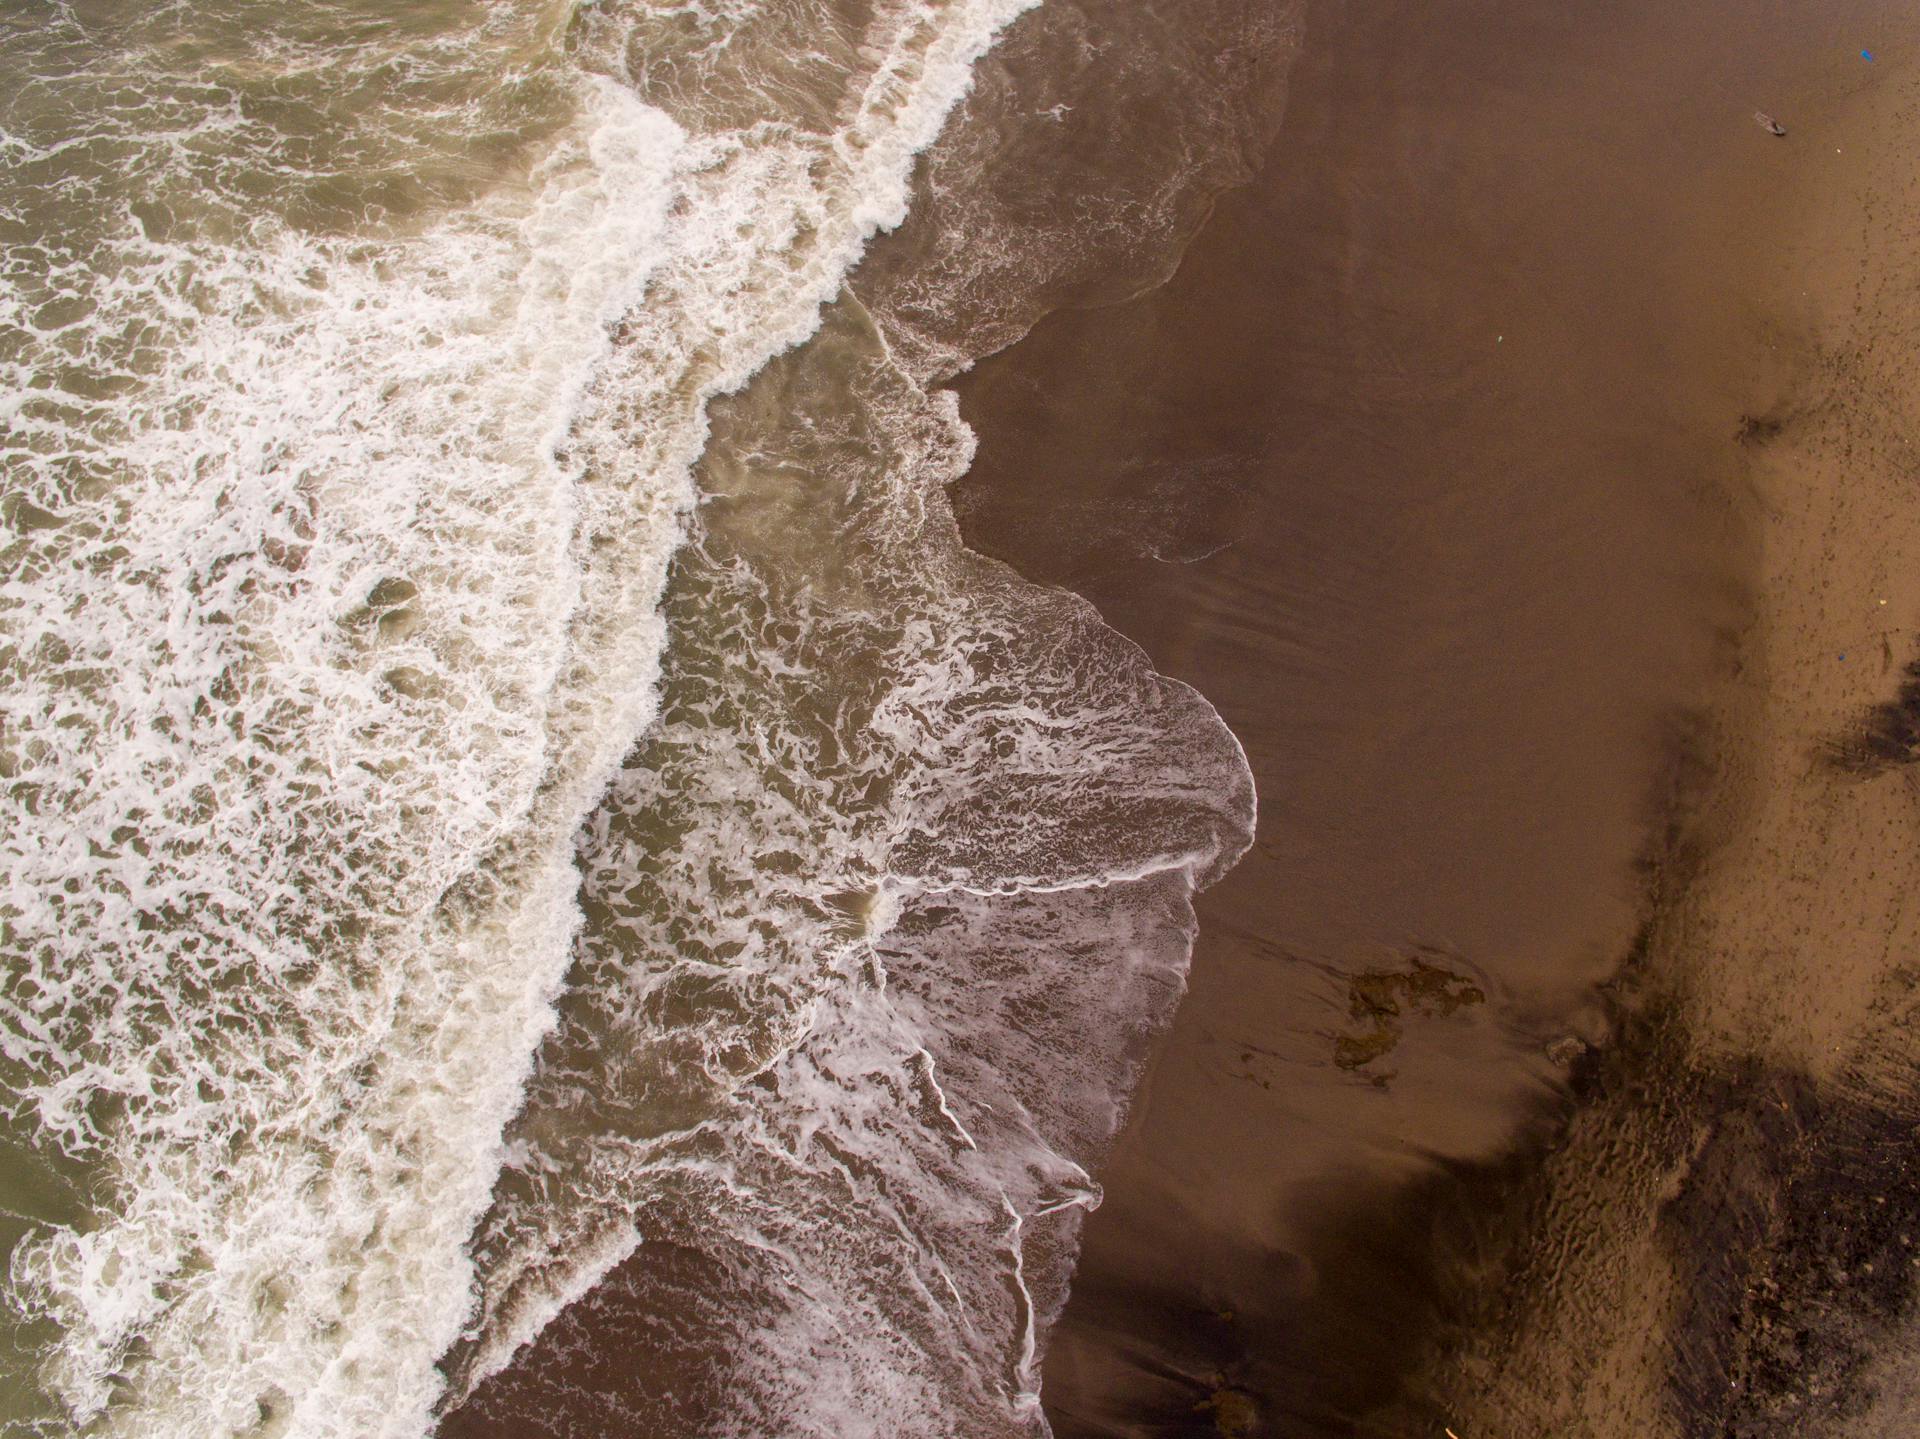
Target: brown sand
1724	1242
1511	463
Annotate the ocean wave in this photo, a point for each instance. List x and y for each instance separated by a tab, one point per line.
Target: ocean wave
341	519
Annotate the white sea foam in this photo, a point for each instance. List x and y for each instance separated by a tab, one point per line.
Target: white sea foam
305	663
334	610
884	911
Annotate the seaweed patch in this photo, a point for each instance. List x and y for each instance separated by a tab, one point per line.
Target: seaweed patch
1380	1000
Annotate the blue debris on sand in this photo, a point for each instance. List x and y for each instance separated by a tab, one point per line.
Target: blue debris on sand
1866	55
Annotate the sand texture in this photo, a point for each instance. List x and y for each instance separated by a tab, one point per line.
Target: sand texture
1725	1240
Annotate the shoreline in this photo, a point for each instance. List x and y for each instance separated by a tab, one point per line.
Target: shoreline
1427	466
1349	1107
988	788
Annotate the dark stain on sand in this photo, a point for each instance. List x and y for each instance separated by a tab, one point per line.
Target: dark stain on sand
1887	736
1381	1001
1790	1217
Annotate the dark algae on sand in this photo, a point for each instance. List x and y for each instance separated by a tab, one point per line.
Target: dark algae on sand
1381	1002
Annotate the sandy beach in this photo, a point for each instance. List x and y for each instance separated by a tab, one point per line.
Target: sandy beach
1523	471
1722	1241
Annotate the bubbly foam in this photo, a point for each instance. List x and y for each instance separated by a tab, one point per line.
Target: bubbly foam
306	646
881	916
332	609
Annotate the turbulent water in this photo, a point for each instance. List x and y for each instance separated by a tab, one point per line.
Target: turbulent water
469	870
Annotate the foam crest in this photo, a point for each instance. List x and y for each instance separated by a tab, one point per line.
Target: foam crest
288	689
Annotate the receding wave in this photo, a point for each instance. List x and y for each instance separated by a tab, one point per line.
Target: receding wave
884	913
880	917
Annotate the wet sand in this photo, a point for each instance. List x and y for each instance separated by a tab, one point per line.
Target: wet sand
1511	463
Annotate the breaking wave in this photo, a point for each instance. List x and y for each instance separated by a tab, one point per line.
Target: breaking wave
356	364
